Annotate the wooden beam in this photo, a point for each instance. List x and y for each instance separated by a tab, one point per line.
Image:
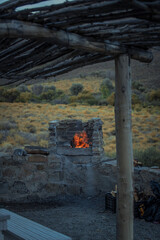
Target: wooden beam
124	149
21	29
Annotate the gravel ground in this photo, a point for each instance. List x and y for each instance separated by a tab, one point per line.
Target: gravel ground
84	219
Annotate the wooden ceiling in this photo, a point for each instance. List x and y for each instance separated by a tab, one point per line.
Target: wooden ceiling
42	42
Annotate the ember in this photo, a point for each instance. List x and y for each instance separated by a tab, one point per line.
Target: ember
80	140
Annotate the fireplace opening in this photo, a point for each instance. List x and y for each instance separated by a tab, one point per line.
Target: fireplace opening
81	140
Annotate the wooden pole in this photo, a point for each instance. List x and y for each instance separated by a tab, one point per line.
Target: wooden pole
124	149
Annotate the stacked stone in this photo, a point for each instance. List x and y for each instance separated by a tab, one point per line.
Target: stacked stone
95	124
53	135
62	133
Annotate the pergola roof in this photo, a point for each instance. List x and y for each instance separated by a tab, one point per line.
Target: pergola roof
44	41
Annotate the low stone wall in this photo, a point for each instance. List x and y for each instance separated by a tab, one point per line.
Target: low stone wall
40	177
107	177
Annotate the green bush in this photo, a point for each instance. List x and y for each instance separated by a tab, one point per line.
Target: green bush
101	102
76	88
154	95
22	88
2	98
48	96
149	157
59	93
37	89
106	87
30	128
84	97
138	86
10	95
25	97
7	125
111	99
47	88
135	99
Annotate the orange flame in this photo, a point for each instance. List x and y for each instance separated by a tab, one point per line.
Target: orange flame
80	140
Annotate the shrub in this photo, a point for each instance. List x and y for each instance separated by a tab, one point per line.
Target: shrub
48	96
47	88
76	88
30	128
60	93
84	97
2	98
22	88
138	85
6	147
98	74
37	89
62	99
135	99
102	102
10	95
106	87
7	125
149	157
111	99
154	95
25	97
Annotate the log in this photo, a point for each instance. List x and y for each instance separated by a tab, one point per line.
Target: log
29	30
124	149
81	9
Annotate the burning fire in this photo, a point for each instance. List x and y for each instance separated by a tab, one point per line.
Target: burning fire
80	140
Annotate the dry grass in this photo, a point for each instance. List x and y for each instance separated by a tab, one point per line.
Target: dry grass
90	84
32	119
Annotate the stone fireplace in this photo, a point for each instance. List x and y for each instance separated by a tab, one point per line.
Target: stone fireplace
62	139
36	174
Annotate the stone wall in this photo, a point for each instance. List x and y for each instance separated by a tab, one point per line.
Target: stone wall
41	177
37	174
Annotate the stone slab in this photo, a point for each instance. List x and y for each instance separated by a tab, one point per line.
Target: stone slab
36	150
74	151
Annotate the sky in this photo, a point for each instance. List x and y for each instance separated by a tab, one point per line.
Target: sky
44	3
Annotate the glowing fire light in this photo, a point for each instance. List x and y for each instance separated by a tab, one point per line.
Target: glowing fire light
80	140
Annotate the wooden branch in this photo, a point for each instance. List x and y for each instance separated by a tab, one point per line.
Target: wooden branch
18	79
51	64
140	5
12	4
27	30
83	8
113	23
80	63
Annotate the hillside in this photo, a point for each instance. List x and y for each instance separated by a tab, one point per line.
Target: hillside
146	73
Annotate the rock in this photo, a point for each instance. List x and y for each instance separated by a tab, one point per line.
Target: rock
19	187
19	152
36	150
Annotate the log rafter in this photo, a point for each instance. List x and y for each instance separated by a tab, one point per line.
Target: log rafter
33	38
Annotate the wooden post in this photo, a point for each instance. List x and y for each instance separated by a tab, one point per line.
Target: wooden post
124	149
3	224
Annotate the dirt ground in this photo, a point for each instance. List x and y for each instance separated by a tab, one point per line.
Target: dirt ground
84	219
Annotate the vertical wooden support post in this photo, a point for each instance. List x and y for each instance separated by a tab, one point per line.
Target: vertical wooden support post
124	149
